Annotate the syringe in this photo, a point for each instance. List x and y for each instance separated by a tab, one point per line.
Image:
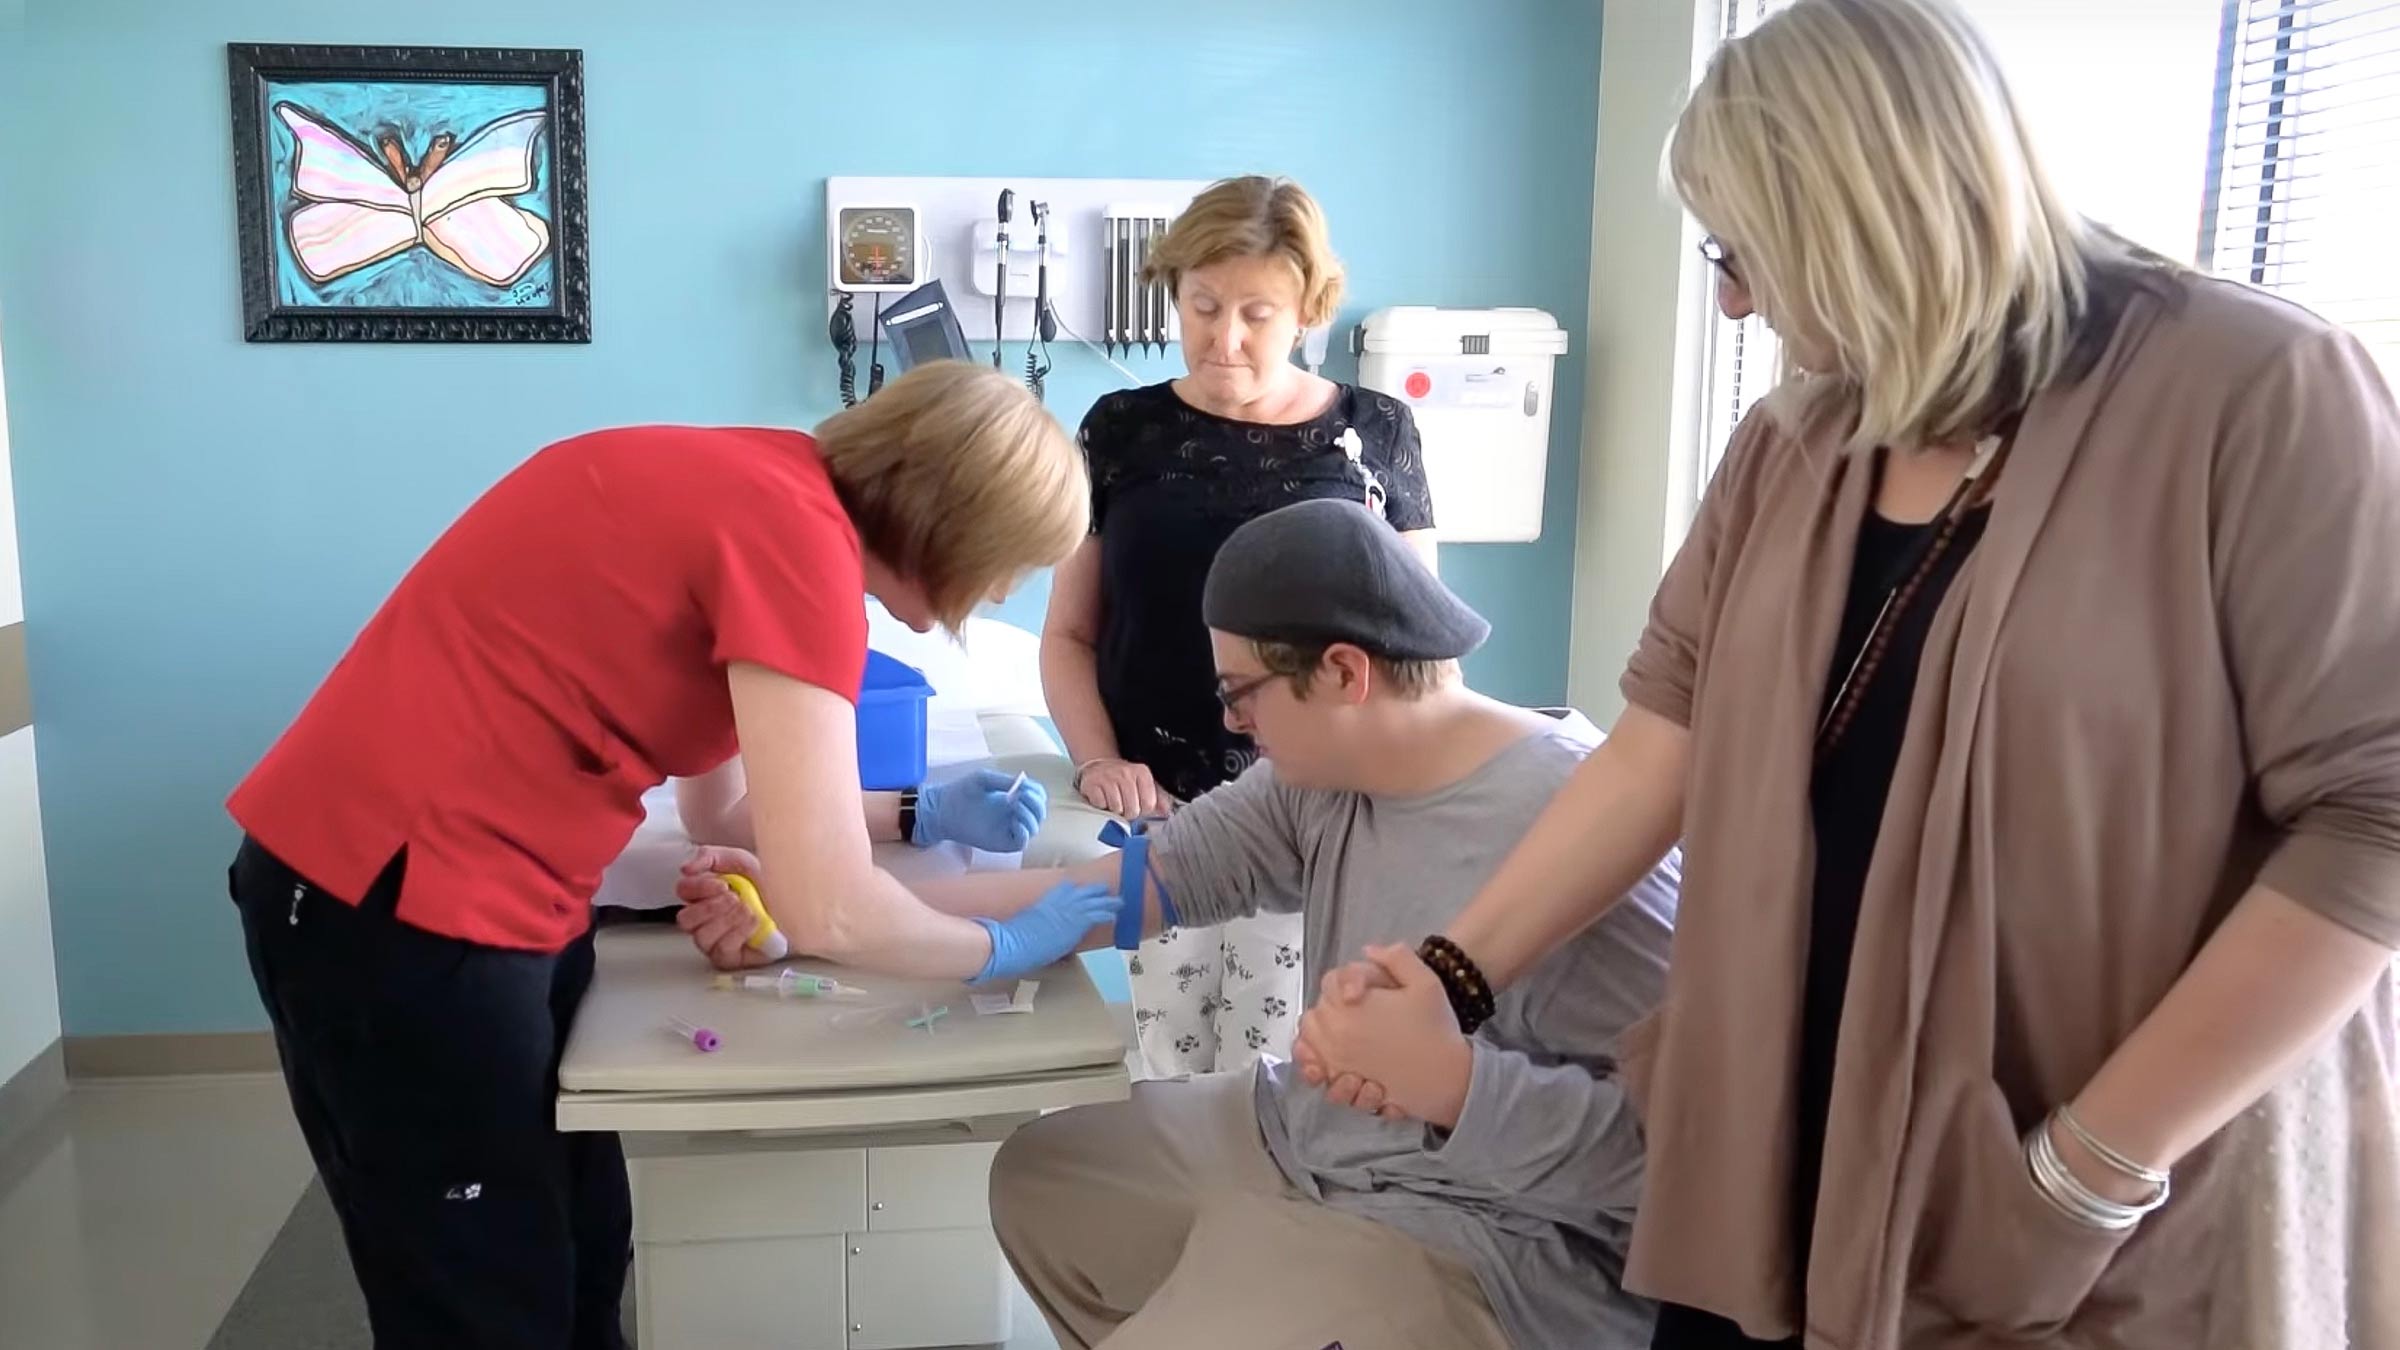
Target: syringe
792	984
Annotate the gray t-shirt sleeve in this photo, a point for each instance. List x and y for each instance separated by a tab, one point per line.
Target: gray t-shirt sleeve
1555	1136
1234	851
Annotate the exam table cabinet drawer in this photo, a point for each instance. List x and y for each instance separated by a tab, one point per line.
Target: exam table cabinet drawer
716	1197
909	1290
759	1294
929	1186
868	1291
752	1243
710	1198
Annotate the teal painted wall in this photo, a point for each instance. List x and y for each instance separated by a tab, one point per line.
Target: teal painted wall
205	523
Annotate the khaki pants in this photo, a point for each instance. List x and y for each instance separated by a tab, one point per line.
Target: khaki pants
1160	1223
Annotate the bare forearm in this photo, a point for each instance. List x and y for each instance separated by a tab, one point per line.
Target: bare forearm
819	879
2275	980
729	822
730	827
883	816
996	895
715	807
999	894
1071	686
1612	822
886	928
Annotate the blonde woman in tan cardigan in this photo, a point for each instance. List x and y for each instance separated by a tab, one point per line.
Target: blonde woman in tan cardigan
2027	700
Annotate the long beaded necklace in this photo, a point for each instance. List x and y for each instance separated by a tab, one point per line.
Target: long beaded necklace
1908	581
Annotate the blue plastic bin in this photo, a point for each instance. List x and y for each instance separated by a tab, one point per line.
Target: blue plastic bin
891	725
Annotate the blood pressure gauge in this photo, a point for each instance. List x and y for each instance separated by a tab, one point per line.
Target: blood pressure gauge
877	248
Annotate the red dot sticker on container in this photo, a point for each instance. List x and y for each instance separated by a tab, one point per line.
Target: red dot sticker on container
1418	384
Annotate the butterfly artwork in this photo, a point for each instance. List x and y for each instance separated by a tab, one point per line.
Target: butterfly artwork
411	194
351	208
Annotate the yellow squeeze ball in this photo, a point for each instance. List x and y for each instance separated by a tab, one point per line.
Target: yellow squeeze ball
764	935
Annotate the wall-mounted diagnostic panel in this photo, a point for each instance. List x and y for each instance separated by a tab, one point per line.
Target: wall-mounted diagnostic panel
878	248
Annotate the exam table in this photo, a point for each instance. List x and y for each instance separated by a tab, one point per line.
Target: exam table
819	1181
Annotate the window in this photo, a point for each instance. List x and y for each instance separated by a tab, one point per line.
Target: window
1744	359
2296	152
2305	165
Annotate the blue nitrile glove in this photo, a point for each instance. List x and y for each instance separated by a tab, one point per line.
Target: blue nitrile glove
976	810
1046	930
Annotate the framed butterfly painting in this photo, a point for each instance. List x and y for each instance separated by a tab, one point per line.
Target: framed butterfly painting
411	194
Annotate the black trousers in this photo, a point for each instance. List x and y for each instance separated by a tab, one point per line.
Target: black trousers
1681	1328
424	1072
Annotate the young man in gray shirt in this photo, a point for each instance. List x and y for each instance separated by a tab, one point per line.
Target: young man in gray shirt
1491	1205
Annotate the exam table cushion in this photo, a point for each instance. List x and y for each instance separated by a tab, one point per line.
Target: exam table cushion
648	975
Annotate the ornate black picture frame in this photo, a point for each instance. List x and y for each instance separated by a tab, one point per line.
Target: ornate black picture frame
411	194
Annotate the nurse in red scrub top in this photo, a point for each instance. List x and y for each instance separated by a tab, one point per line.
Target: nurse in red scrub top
422	844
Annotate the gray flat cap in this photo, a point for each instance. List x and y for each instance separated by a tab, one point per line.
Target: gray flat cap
1332	571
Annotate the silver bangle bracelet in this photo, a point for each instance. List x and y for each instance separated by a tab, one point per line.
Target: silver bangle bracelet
2066	1191
2149	1176
1085	767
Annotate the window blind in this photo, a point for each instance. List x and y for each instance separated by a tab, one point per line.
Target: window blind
2304	191
1744	359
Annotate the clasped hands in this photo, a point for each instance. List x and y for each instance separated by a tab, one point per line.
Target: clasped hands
1382	1038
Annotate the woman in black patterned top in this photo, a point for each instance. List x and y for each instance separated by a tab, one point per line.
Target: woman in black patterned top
1175	467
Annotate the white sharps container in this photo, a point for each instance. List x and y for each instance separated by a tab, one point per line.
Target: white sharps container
1478	382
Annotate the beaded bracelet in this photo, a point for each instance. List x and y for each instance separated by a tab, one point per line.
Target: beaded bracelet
1462	980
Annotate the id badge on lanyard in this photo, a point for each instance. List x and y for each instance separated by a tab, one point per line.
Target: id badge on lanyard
1354	449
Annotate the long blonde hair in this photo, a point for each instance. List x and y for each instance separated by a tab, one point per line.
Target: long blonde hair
959	479
1865	165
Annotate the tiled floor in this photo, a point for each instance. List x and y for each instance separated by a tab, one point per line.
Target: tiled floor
131	1218
134	1215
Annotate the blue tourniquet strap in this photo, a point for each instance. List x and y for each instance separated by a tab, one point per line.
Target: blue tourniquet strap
1132	843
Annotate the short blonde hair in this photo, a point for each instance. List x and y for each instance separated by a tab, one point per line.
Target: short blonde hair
1254	217
958	479
1865	166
